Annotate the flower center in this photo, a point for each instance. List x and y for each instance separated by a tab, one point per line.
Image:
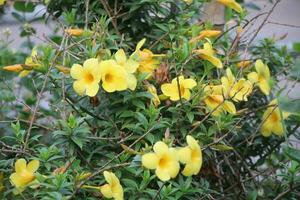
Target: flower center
274	117
88	78
164	162
108	78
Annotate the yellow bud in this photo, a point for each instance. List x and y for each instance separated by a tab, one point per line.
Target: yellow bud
14	68
63	69
243	63
74	32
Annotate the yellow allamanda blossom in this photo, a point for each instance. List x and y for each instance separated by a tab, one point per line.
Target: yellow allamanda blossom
232	4
113	188
24	173
206	34
114	76
237	90
87	77
273	120
2	2
214	100
261	76
178	85
164	160
129	65
147	61
155	99
191	156
31	63
207	53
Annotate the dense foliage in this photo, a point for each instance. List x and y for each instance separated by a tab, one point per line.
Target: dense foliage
144	100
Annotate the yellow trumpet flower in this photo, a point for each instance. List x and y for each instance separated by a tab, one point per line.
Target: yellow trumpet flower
164	160
129	65
113	188
207	53
87	77
24	173
181	85
261	77
74	31
272	120
232	4
191	156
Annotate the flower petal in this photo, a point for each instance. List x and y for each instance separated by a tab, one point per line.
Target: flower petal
162	174
174	169
229	107
20	165
76	71
171	91
160	148
79	87
191	169
189	83
184	155
16	180
131	66
186	94
193	144
140	44
92	89
150	160
131	81
120	57
264	86
213	60
262	69
33	165
106	191
253	77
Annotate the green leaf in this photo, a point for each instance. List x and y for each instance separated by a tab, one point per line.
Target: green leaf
222	147
295	70
289	105
24	7
296	47
292	153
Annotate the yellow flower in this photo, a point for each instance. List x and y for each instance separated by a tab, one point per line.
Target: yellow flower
181	85
2	2
214	100
232	4
261	76
155	99
164	160
87	77
24	173
243	64
1	182
113	188
114	77
206	34
74	31
272	120
238	91
191	155
207	53
147	61
129	65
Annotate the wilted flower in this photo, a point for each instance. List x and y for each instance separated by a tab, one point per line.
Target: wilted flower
272	120
129	65
178	85
207	53
113	188
87	77
191	156
114	77
244	64
232	4
164	160
261	76
24	173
